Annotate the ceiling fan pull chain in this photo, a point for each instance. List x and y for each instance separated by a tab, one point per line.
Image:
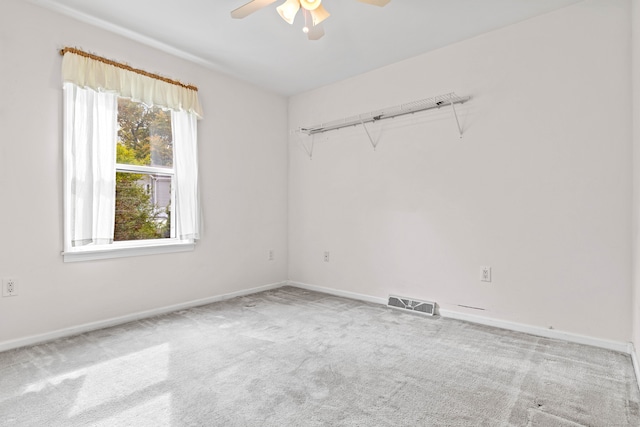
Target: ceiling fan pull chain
305	29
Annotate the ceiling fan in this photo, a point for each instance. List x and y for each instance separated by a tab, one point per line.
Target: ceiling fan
313	11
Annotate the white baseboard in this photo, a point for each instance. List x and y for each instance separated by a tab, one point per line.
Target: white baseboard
87	327
634	360
338	293
622	347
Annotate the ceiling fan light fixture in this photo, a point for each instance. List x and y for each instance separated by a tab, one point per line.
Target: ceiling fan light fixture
319	14
314	13
310	4
288	10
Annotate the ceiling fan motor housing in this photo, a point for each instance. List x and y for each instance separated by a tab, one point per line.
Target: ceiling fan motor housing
310	4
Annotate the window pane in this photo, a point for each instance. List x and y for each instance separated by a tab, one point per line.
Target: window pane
143	206
144	135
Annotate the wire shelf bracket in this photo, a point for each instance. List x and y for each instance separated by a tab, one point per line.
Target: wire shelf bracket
388	113
374	144
308	148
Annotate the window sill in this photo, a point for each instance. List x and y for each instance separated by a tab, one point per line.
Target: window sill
128	249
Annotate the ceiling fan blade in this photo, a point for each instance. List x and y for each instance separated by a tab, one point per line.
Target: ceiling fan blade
315	32
247	9
319	14
375	2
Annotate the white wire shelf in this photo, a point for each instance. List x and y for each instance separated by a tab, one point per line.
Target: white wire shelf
449	99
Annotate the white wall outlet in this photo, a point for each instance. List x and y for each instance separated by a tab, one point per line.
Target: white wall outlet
9	287
485	274
326	256
272	255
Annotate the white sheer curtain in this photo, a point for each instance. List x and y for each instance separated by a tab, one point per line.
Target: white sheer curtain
185	160
90	128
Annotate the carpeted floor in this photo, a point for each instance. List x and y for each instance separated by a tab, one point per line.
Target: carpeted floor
291	357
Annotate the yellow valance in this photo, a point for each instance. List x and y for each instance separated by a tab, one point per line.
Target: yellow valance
91	71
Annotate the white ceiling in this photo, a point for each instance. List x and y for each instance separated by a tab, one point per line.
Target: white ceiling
268	52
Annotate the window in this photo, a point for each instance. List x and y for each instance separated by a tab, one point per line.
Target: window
144	173
130	166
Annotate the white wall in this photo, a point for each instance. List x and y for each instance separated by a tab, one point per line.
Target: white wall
243	176
539	187
635	56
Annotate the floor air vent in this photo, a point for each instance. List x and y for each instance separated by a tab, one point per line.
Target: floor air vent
423	307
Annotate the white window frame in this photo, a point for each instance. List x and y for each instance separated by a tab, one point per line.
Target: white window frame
138	247
122	249
85	70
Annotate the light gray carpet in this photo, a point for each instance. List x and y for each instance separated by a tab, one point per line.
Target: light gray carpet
291	357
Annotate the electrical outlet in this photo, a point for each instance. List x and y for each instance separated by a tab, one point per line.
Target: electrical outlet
326	256
272	255
9	287
485	274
